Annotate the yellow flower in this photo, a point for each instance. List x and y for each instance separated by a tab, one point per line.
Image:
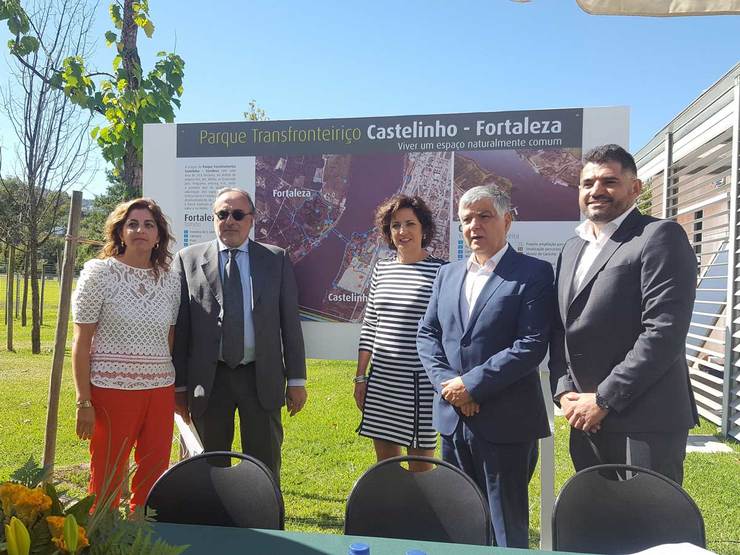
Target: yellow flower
8	492
56	527
27	504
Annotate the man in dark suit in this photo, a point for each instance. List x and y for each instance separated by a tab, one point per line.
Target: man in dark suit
626	288
238	335
481	340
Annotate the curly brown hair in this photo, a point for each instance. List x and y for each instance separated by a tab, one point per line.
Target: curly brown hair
384	212
161	256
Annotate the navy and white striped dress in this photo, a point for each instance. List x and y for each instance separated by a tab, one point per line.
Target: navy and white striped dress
398	399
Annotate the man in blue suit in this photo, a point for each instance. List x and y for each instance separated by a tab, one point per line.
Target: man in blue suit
481	340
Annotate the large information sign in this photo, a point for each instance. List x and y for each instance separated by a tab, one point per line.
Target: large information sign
316	184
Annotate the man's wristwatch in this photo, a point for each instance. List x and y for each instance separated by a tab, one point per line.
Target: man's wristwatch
84	404
359	379
601	402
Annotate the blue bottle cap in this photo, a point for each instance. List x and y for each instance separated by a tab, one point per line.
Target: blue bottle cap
359	549
416	552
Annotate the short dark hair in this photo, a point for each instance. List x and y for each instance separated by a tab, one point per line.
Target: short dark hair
611	153
384	212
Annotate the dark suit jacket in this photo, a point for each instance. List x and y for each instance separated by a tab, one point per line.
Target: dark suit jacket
497	353
623	332
279	346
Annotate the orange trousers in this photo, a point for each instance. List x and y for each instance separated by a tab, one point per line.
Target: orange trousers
125	419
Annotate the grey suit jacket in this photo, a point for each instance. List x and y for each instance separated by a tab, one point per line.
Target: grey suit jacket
623	332
279	349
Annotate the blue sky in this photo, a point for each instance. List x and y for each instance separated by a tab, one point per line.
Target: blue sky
349	59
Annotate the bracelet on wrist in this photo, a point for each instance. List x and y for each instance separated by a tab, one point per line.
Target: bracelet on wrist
359	379
84	404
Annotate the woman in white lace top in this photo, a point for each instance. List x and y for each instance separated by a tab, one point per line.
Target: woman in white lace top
124	310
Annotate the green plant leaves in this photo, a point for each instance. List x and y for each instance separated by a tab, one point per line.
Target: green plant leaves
81	509
127	99
18	22
115	14
70	533
56	505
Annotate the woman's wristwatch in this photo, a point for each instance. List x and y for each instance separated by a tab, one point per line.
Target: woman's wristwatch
359	379
84	404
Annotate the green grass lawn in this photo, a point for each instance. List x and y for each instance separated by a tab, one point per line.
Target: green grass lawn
322	454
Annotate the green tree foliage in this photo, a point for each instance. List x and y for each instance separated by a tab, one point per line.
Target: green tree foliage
10	210
13	227
255	113
126	97
26	237
92	226
53	138
645	200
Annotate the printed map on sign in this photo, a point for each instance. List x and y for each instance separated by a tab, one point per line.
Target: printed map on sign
320	208
542	184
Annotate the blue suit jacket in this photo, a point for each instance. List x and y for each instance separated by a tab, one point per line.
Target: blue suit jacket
497	353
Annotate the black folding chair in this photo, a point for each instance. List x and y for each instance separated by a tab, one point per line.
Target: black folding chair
619	508
201	490
442	504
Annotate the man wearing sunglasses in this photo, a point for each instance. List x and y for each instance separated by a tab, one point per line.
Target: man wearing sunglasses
238	341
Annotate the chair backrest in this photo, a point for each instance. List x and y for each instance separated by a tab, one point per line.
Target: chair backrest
598	513
442	504
205	490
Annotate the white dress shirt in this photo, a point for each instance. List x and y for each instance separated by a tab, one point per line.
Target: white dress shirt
476	279
596	240
242	261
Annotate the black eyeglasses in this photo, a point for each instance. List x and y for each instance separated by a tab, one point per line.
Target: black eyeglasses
238	215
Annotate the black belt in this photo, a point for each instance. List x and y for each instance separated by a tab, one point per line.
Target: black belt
247	365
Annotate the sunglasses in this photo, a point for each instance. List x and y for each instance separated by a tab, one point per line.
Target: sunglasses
238	215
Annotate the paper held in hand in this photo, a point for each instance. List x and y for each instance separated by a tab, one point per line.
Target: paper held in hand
189	436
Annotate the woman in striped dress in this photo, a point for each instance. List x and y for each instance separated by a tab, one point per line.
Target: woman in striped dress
396	396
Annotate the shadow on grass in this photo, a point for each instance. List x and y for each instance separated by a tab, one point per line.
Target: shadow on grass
314	496
324	521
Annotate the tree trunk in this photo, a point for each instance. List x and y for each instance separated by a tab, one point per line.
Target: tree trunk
41	302
5	296
60	338
17	296
24	303
33	265
132	65
132	171
9	298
